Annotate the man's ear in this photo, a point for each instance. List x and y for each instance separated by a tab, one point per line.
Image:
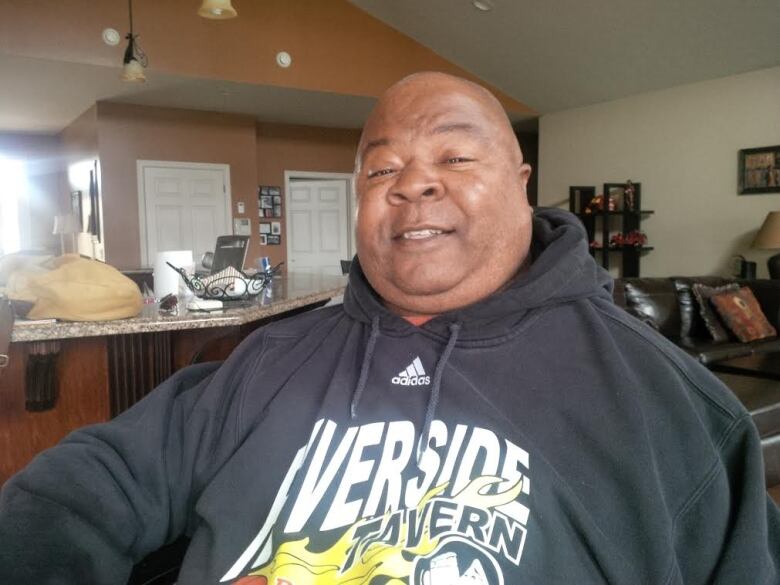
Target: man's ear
525	173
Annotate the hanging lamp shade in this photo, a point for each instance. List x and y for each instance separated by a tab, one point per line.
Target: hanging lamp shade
134	62
217	9
133	71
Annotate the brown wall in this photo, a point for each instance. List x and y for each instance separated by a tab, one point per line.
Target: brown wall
257	154
128	133
299	148
336	47
79	149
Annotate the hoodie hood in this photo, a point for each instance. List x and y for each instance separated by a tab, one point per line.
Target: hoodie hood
562	269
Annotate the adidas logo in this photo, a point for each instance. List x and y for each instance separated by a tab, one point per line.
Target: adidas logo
413	375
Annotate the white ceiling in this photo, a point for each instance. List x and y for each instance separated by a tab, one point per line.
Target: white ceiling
549	55
560	54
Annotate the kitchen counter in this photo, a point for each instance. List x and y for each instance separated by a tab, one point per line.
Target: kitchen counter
64	375
287	293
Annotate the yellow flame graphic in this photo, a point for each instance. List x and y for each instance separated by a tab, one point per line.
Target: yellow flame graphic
294	563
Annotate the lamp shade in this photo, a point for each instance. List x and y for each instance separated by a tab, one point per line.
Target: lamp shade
217	9
133	71
768	237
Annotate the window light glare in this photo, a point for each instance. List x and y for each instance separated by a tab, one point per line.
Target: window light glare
12	189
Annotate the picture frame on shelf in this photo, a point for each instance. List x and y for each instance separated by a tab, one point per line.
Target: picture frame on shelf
758	170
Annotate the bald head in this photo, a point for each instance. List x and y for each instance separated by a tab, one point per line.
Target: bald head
443	219
403	96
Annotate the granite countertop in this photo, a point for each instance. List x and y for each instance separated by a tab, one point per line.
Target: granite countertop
286	293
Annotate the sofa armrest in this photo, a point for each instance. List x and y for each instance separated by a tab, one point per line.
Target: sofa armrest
767	293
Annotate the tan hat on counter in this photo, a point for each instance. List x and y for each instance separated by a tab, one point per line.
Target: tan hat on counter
76	289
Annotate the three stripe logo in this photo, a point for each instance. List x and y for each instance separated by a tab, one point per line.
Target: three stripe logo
413	375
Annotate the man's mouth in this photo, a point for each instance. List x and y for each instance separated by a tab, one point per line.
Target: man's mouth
421	234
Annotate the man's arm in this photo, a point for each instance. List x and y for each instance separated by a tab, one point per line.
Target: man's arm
729	530
107	495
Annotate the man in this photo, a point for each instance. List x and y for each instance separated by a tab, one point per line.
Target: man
478	411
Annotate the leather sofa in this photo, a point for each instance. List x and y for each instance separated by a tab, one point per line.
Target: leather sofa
669	305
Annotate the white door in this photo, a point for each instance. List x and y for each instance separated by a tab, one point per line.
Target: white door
184	208
317	226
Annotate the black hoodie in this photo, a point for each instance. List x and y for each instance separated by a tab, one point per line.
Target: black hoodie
541	436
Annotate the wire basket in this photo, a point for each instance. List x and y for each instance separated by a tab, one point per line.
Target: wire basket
229	284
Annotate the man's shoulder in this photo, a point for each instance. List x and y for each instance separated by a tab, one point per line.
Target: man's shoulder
303	323
659	361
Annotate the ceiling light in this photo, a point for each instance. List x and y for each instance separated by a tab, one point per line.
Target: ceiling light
482	5
111	37
217	9
283	59
135	59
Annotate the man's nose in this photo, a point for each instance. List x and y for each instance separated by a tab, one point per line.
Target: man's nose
415	182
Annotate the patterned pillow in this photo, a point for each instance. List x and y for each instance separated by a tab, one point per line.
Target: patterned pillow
743	315
703	293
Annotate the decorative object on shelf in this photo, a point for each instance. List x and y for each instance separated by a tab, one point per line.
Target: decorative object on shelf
135	59
759	170
628	197
613	228
597	204
635	238
229	284
768	238
217	9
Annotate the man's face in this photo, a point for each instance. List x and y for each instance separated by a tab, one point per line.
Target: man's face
443	219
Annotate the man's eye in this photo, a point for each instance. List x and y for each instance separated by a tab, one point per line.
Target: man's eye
457	159
379	173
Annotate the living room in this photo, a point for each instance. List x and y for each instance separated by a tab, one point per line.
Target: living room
666	96
215	93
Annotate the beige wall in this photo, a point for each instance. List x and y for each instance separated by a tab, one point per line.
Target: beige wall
681	144
299	148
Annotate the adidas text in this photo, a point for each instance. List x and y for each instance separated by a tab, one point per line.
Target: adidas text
413	375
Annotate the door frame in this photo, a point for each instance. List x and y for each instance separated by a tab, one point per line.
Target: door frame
142	165
290	176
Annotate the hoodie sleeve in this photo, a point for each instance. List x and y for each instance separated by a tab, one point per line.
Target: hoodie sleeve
729	530
89	508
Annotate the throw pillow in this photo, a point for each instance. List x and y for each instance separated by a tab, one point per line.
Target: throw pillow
703	293
743	315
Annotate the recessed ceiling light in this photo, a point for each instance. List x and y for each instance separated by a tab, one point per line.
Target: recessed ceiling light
482	5
111	36
283	59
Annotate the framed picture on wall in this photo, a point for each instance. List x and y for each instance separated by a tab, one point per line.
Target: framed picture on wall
759	170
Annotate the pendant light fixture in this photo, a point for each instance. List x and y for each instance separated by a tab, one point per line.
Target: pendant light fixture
217	9
135	59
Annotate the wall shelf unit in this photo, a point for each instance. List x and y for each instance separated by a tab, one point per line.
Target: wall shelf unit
612	217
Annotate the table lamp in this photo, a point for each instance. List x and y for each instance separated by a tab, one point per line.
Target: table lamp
67	224
768	238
